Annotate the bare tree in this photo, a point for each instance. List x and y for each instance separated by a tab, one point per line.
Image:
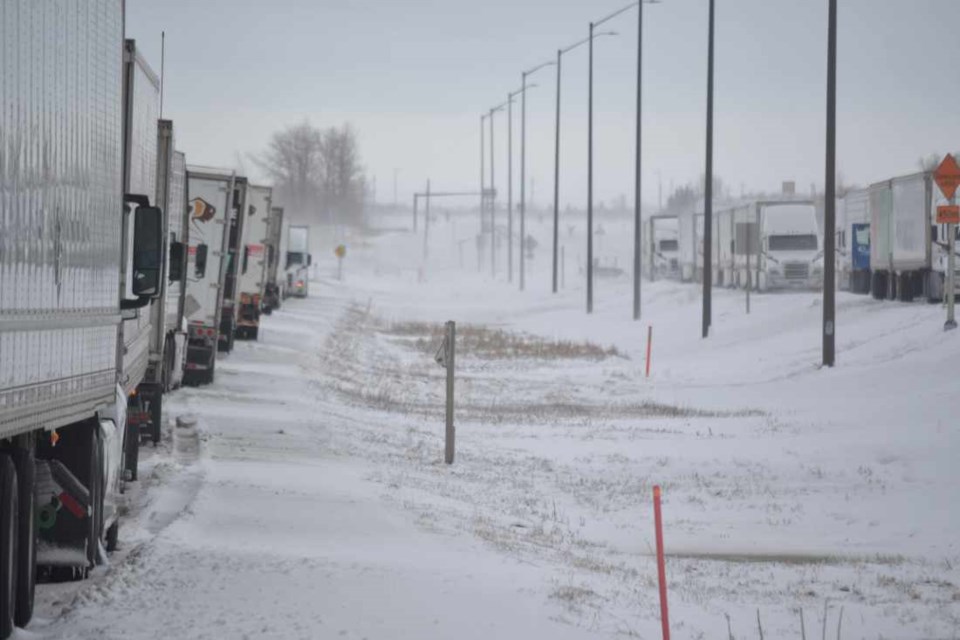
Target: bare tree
343	181
293	161
316	172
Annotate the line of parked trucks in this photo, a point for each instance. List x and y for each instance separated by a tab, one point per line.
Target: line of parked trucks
888	242
123	271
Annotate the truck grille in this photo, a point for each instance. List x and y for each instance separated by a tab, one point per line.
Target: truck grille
796	271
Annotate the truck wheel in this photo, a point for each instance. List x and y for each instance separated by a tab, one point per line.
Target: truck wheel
113	535
25	464
131	450
156	417
9	527
95	486
254	332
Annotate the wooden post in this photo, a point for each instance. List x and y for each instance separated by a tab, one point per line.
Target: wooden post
661	568
451	342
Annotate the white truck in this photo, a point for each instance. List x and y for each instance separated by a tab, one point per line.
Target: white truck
908	250
209	198
273	285
80	263
298	260
251	276
664	247
770	244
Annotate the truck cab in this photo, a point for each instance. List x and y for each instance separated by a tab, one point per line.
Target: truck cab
791	255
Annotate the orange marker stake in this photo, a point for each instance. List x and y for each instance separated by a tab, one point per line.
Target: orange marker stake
649	346
661	568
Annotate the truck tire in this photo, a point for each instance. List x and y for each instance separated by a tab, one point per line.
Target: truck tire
156	416
95	487
9	528
25	464
131	450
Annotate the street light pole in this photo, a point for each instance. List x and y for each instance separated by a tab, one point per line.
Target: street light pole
830	193
708	189
483	179
493	205
637	177
523	165
590	178
556	152
556	176
493	197
510	187
590	39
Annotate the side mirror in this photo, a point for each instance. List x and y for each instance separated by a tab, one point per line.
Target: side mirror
309	259
147	251
246	258
933	233
175	273
200	261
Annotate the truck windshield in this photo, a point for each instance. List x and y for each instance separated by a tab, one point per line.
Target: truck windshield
668	245
793	243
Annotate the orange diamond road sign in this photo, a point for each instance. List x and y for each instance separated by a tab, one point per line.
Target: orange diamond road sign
340	251
948	214
947	176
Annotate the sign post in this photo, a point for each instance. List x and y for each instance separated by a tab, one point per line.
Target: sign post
947	177
340	252
445	358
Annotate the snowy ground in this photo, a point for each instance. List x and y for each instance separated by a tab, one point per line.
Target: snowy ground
319	505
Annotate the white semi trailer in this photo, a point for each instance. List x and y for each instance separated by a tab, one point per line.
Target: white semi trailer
80	263
229	313
252	272
908	250
209	197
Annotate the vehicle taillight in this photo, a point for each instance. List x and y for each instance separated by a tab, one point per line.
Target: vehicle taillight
299	283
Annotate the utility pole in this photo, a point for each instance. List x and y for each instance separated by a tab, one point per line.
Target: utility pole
493	204
708	188
483	187
556	177
590	177
637	259
830	193
426	222
510	187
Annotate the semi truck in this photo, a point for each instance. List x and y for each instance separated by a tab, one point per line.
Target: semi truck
253	260
209	198
80	264
664	248
298	261
230	299
908	249
273	286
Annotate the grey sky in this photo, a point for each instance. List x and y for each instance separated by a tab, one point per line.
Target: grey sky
413	77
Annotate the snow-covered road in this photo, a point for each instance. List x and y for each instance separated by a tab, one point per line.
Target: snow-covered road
319	506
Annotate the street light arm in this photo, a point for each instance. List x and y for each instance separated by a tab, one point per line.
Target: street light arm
521	90
548	63
586	40
622	9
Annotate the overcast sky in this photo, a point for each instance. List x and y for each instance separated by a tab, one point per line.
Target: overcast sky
413	77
